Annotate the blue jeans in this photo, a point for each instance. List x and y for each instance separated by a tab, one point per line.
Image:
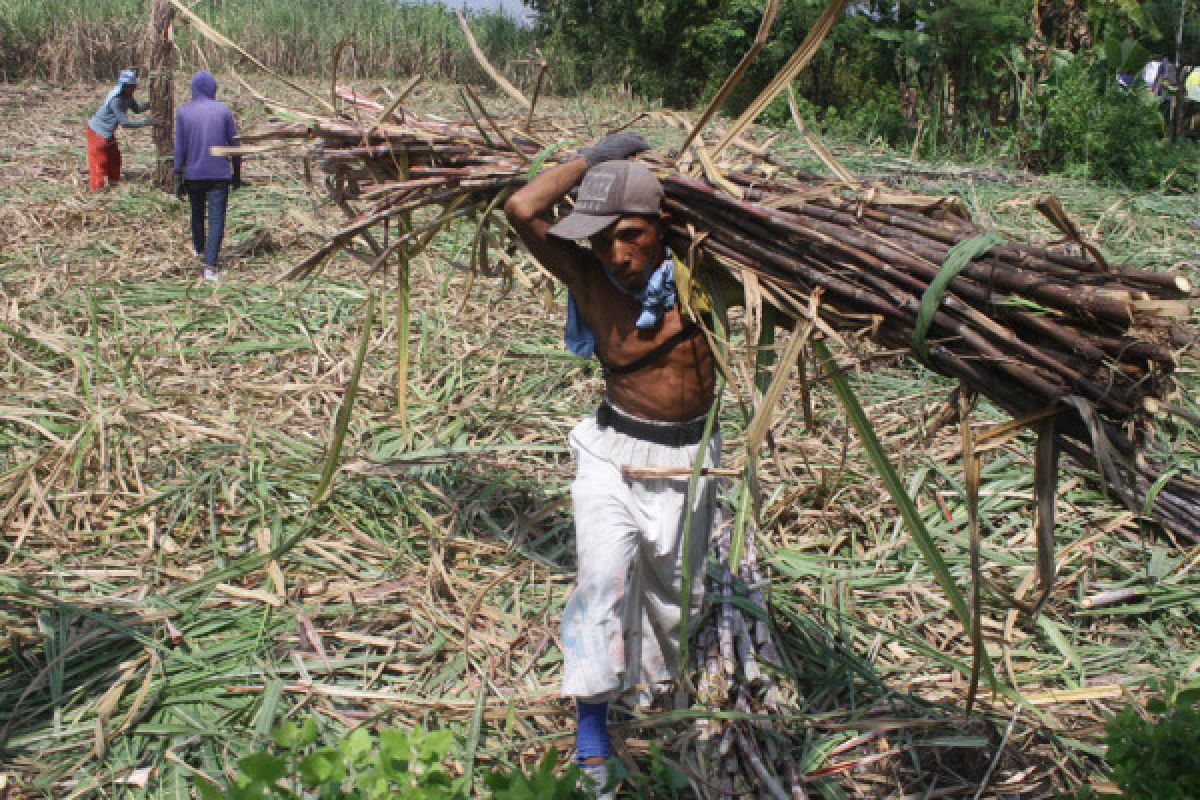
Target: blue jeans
215	196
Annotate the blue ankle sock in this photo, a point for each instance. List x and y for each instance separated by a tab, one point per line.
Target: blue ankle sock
591	733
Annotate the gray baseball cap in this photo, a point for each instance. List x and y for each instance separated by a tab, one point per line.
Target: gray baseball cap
609	191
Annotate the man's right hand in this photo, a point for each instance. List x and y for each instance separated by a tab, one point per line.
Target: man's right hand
180	188
614	147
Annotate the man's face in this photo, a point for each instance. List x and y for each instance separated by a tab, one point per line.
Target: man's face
631	248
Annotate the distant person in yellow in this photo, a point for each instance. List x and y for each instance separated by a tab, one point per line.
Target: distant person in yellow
1192	85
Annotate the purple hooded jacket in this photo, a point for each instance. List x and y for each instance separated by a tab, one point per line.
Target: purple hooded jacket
199	125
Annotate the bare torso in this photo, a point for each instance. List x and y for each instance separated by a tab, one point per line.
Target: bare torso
674	387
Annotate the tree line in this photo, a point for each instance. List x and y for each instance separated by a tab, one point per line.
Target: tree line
1032	81
1035	79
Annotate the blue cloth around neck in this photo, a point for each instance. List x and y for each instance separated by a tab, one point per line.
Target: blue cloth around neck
657	297
591	732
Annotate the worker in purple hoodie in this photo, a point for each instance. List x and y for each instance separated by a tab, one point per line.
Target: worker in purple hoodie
206	179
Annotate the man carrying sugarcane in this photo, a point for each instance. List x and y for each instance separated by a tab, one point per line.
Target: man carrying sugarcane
103	154
621	626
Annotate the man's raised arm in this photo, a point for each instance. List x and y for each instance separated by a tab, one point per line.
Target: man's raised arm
124	120
529	208
529	212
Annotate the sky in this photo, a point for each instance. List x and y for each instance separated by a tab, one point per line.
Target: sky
513	8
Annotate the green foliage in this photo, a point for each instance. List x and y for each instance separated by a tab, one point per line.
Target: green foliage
412	765
542	784
963	67
1158	759
875	118
1097	129
1126	56
681	50
963	41
395	764
661	781
1154	23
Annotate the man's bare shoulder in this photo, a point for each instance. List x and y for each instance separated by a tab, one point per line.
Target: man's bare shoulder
585	268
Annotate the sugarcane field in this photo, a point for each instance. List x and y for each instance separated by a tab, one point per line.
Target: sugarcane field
779	399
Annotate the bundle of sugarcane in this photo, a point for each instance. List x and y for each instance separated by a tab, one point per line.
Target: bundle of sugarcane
736	660
1057	339
1062	339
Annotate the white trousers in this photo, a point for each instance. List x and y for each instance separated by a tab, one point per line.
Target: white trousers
621	626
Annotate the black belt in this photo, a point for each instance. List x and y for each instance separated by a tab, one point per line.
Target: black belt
671	434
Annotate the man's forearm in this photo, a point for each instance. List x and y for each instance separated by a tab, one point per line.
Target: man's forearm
529	212
126	122
539	196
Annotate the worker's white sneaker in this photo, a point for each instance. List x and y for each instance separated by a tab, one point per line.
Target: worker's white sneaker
211	274
597	776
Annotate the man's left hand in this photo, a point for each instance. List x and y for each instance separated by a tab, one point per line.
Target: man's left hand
614	147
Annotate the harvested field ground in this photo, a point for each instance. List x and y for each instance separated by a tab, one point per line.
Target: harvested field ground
168	592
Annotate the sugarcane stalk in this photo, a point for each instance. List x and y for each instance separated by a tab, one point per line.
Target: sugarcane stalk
1069	376
725	631
746	652
795	781
162	97
768	781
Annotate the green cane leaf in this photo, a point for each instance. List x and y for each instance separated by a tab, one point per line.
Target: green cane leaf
959	256
900	496
342	421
